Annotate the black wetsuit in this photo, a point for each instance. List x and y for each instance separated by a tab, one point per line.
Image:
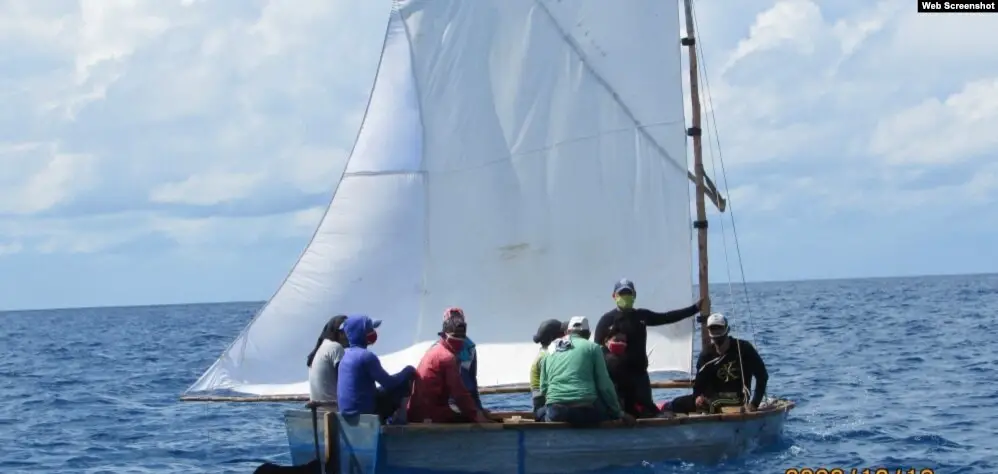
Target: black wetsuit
633	323
717	374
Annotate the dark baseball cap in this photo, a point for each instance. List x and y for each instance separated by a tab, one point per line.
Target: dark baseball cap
548	331
624	284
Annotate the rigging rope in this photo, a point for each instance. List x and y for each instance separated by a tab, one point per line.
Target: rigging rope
712	119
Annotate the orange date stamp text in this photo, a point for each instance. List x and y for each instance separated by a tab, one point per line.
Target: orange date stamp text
859	470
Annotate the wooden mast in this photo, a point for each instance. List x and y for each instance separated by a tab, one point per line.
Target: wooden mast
698	172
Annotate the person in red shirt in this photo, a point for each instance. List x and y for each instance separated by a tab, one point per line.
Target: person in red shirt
438	380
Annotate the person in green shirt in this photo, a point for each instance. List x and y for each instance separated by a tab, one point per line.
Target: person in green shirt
575	383
548	331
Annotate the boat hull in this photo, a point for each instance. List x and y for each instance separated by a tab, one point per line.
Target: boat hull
541	448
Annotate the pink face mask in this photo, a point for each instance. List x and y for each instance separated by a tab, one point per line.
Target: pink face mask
617	347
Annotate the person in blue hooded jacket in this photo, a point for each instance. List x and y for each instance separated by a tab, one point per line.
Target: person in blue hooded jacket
360	369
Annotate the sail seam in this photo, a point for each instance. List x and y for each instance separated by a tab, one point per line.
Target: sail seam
241	338
360	174
606	85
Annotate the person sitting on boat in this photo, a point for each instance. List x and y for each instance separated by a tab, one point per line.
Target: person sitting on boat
724	373
438	381
360	369
469	360
614	353
574	381
324	360
633	323
547	332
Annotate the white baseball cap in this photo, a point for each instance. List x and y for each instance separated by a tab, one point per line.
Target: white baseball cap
717	320
578	323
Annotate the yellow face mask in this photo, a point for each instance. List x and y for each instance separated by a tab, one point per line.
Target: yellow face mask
624	301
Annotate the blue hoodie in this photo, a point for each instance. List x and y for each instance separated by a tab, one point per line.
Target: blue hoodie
360	369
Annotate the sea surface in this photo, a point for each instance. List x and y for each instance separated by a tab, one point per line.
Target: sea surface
895	372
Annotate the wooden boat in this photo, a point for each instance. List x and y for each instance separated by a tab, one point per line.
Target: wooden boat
515	158
519	445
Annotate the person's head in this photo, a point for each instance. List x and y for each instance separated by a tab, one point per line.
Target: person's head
360	330
549	331
624	294
333	330
578	326
717	329
455	328
617	343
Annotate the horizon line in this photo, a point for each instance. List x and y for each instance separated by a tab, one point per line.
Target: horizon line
715	283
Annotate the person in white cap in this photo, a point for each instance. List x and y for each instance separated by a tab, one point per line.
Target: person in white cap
574	381
724	373
633	324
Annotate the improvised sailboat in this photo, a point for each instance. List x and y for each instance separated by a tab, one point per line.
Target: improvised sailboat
516	158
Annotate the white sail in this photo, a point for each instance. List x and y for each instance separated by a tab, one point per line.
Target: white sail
516	159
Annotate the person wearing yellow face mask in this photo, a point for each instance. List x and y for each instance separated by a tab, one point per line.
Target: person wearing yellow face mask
633	323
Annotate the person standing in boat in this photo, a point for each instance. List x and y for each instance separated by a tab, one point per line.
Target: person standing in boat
360	369
438	380
633	323
724	373
324	360
574	382
547	332
468	358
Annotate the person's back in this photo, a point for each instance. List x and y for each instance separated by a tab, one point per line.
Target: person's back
323	362
323	373
574	379
360	369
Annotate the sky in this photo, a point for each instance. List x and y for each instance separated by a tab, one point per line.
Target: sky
184	151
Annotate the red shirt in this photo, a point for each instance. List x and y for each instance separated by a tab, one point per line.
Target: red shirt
437	381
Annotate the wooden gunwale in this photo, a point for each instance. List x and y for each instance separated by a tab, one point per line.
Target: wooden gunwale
667	384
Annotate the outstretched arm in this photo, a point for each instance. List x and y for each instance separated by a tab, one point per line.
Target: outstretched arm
378	373
669	317
757	368
458	392
472	381
604	385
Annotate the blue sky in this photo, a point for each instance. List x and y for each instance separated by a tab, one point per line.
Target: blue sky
179	151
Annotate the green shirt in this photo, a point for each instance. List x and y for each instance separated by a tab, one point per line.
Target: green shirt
574	371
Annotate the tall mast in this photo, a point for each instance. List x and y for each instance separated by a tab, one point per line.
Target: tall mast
695	131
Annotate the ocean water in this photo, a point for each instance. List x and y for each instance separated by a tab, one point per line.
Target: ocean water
895	372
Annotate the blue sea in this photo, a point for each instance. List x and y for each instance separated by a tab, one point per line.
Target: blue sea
887	372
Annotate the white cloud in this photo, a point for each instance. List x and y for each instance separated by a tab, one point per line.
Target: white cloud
958	128
37	176
207	189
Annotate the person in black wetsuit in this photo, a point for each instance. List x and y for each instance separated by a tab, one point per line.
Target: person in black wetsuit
724	373
632	323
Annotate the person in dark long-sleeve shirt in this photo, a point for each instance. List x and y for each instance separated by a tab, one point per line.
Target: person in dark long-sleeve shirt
724	373
633	323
